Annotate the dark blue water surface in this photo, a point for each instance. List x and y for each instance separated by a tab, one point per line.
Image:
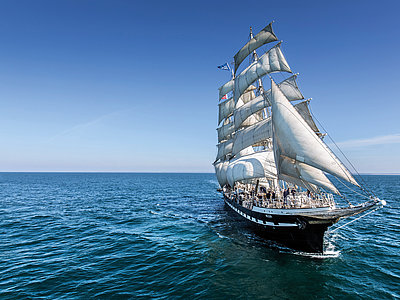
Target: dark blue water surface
66	235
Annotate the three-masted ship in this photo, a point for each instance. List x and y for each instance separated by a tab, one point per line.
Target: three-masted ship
272	160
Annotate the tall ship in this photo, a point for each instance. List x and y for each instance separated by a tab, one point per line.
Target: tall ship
272	161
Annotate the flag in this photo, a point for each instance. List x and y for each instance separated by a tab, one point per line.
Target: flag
225	66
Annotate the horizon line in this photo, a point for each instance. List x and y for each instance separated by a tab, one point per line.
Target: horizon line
150	172
162	172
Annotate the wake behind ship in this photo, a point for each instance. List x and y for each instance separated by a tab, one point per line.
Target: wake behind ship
272	161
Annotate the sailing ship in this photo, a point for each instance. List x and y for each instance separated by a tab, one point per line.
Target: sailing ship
272	161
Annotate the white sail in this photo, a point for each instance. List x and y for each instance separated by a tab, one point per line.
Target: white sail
226	88
293	168
225	131
256	165
245	151
299	182
247	96
263	37
222	166
251	135
288	87
253	119
297	140
246	110
272	61
224	149
220	171
303	110
226	108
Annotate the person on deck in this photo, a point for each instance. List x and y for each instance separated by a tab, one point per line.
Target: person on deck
285	193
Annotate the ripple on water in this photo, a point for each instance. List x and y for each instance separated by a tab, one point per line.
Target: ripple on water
170	236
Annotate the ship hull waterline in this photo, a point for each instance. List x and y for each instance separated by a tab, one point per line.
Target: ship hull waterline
299	232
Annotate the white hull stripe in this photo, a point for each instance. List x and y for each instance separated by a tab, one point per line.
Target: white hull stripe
276	211
254	220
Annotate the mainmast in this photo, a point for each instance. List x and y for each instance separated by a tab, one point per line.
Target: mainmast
254	57
266	114
237	138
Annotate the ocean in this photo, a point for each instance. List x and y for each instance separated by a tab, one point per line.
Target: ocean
169	236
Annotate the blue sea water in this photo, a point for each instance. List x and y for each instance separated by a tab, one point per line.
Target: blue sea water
117	236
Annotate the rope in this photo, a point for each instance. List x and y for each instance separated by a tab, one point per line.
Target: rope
363	185
355	219
330	152
351	189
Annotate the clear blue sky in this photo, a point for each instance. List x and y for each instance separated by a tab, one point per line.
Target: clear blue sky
132	85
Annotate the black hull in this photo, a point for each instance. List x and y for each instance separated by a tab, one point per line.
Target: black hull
297	232
310	240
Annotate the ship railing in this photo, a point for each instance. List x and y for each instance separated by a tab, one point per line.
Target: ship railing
299	200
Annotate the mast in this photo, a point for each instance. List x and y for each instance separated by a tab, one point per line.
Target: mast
260	84
254	58
254	129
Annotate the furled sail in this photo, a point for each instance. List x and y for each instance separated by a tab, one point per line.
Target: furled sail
265	36
297	140
225	131
288	87
226	88
303	110
224	149
271	61
256	165
251	135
